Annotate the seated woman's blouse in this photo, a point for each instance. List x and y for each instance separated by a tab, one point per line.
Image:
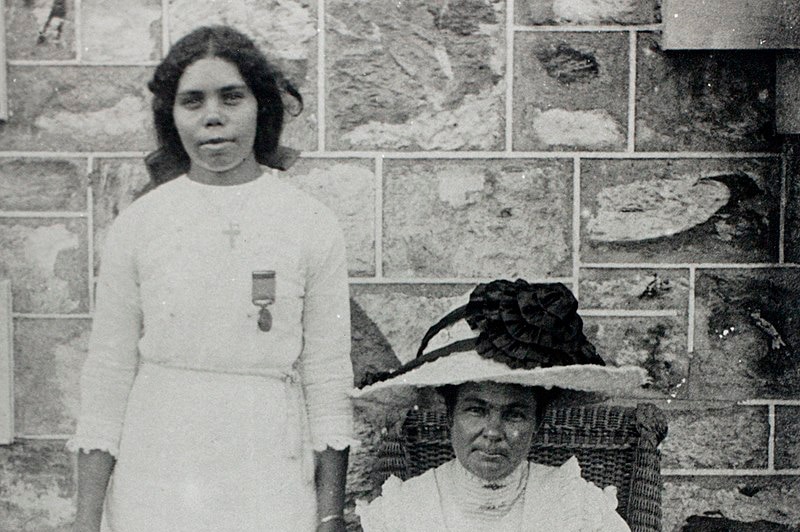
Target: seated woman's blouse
534	497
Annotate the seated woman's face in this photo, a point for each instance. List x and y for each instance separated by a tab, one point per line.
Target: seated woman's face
493	425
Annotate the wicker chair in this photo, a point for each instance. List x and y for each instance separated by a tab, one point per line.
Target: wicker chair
615	445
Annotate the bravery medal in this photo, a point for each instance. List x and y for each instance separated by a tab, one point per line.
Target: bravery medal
263	295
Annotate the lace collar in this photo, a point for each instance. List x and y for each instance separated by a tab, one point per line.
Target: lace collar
479	500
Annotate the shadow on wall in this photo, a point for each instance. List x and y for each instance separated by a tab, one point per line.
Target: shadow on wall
371	351
371	354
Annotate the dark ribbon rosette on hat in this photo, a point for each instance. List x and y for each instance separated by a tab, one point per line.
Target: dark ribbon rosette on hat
520	324
512	332
529	325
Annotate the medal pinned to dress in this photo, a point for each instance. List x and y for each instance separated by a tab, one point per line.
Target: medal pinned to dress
263	296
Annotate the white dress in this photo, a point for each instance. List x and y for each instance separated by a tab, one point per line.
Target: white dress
534	498
213	421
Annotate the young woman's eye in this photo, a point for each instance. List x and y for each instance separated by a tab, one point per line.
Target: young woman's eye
232	98
190	101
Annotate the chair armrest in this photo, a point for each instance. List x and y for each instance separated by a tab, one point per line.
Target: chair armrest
644	509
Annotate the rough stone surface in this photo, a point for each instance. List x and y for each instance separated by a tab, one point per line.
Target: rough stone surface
121	30
741	498
746	334
36	486
42	184
792	224
657	344
115	184
40	29
787	437
548	12
418	75
680	210
286	30
634	289
484	218
47	263
77	109
715	436
48	358
570	91
347	187
704	100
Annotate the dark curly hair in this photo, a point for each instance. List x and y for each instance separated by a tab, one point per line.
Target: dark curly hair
264	80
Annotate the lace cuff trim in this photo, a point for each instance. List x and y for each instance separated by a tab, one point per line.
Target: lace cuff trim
87	445
338	443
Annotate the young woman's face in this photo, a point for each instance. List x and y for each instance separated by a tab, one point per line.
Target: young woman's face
493	425
215	113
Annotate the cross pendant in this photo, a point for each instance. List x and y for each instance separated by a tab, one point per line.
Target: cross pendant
232	231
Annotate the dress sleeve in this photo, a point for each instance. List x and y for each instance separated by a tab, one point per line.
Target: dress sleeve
325	367
111	364
381	515
593	509
611	521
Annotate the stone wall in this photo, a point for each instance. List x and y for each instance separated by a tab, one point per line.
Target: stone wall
458	142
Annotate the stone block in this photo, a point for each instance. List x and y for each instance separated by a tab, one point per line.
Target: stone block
48	357
40	29
115	184
787	437
348	188
680	210
657	344
36	486
792	225
286	30
31	184
715	436
771	499
121	30
487	218
746	334
634	289
47	261
415	75
570	91
549	12
67	108
704	100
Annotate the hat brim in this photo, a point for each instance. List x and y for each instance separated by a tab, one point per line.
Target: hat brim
469	366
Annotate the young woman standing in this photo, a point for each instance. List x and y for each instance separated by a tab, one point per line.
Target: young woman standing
214	397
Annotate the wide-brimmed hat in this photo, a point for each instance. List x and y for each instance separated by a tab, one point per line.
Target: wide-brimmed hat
510	332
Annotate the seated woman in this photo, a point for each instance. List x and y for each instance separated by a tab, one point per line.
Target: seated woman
498	362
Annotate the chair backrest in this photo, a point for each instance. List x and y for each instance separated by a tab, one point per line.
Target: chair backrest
615	445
